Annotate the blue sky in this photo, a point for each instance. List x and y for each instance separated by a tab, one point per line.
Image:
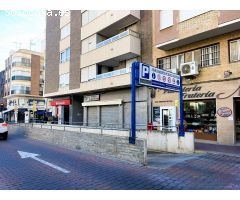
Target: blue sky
19	26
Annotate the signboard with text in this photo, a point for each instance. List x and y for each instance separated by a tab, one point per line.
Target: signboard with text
158	78
147	75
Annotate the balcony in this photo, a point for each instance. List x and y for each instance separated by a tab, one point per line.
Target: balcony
113	73
115	79
21	64
110	52
110	22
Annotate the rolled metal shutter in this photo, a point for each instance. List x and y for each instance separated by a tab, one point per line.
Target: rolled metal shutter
92	116
110	116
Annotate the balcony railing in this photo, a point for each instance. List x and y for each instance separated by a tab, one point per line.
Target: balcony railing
21	64
117	37
113	73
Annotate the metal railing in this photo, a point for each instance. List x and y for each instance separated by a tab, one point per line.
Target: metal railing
113	73
117	37
17	64
106	126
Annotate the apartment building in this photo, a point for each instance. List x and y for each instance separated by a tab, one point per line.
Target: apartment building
24	80
204	46
88	64
2	82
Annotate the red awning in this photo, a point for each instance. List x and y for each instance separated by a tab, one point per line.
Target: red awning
60	102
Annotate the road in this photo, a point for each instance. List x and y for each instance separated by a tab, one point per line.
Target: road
87	171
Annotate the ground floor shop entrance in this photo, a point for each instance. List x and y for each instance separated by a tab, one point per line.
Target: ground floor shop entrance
211	110
237	119
200	116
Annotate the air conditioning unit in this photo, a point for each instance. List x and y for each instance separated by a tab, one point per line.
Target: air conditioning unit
189	69
175	71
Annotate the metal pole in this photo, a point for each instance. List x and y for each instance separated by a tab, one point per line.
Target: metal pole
181	132
133	105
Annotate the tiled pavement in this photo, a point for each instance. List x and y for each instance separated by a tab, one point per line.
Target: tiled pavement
199	171
218	148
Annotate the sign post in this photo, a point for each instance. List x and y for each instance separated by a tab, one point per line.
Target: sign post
132	137
144	74
181	127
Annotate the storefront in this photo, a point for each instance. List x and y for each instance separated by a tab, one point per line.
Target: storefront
237	118
211	110
200	116
25	109
61	110
113	109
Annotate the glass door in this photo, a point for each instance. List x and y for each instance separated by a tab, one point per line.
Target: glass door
237	119
168	118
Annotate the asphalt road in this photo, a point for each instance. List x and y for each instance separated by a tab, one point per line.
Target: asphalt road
88	171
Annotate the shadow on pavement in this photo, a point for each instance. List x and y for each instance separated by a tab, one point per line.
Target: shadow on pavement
163	160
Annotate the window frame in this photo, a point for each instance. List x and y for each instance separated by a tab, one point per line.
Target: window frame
62	37
229	50
65	53
161	27
192	50
170	61
63	77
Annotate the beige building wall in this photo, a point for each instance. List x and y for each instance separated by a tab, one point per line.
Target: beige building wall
210	78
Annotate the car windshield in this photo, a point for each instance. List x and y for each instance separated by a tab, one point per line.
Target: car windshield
1	120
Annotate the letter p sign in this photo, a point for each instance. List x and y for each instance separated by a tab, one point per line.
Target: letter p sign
145	71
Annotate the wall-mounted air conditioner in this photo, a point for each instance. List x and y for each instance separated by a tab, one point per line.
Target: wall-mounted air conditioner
189	69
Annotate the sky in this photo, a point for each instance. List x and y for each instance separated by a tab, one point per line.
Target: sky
18	28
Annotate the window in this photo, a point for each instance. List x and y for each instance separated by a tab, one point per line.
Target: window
64	80
65	31
171	62
89	44
187	14
203	57
65	55
193	56
164	63
200	116
234	50
166	18
18	89
88	73
210	55
68	53
19	61
90	15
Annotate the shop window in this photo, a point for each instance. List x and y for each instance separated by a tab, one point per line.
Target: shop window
201	118
234	50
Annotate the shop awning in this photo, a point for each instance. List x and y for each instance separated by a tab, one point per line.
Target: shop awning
6	111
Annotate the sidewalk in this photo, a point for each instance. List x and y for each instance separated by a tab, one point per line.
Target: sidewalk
218	148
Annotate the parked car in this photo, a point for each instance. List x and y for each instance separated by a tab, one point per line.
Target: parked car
3	129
